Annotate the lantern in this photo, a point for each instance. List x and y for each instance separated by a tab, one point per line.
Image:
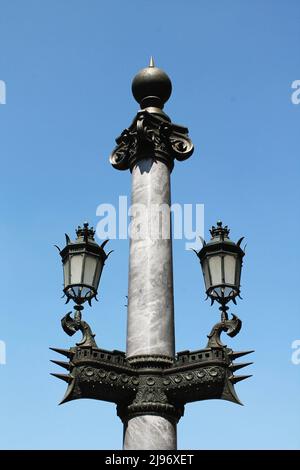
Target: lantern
221	261
83	261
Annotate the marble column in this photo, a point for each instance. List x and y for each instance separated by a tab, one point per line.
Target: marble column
150	328
150	432
150	297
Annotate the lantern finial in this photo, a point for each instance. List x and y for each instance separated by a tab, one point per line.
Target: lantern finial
85	232
219	232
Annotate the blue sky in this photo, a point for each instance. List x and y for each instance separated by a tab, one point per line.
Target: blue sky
68	67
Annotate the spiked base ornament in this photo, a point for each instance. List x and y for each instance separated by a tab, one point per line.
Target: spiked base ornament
152	383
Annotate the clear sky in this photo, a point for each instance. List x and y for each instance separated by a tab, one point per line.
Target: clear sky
68	66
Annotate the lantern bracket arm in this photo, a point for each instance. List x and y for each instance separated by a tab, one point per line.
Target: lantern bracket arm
71	325
232	327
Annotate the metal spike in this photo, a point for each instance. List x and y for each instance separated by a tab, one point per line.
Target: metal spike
65	365
235	354
65	352
66	378
234	379
234	367
202	241
151	64
104	243
68	241
240	241
57	247
230	394
68	395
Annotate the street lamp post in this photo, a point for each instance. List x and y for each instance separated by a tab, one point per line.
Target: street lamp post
150	383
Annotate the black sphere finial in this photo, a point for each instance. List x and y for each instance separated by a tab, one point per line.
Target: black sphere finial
151	86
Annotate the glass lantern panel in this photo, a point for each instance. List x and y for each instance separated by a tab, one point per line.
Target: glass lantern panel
229	269
89	270
238	271
67	272
98	273
215	267
79	292
76	269
85	292
75	291
228	292
217	292
206	276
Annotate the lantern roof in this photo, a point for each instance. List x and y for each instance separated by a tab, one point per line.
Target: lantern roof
85	240
219	240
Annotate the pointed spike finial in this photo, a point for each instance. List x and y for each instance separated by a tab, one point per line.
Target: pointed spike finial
233	367
64	352
68	395
230	394
66	378
236	354
151	64
65	365
238	378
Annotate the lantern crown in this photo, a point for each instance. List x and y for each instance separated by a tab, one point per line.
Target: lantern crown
219	232
85	233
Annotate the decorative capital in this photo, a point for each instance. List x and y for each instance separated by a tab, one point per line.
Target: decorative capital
151	134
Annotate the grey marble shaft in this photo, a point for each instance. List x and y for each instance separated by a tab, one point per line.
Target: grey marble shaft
150	433
150	328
